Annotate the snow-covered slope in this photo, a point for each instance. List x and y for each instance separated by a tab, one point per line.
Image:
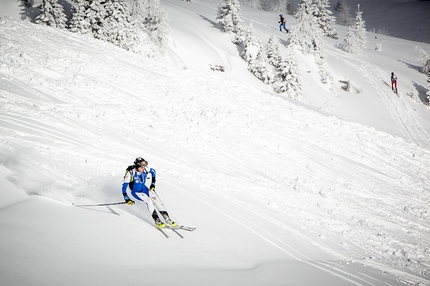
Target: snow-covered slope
281	193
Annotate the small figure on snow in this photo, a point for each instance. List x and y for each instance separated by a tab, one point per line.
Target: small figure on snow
283	23
135	179
394	82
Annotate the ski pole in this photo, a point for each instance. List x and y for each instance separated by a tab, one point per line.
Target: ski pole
100	205
161	201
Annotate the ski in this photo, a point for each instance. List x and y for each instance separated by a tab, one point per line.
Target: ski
180	227
171	228
163	232
187	228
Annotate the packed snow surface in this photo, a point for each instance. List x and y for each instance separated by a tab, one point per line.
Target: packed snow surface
330	191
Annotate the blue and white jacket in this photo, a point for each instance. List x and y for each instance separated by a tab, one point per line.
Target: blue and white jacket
137	181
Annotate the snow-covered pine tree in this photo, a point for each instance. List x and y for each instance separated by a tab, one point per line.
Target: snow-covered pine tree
424	59
156	25
254	55
96	15
266	5
229	16
326	21
344	16
338	6
118	27
428	89
51	14
251	3
138	12
79	22
307	33
272	52
355	39
280	6
287	79
106	20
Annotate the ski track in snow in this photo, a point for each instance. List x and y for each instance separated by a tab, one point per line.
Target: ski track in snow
358	194
401	112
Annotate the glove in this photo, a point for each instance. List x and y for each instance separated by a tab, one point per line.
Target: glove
152	187
128	201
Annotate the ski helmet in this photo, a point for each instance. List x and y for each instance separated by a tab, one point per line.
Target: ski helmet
140	162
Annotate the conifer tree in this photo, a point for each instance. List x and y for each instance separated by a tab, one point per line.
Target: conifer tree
156	25
96	15
251	3
307	33
338	6
355	39
254	55
345	17
118	25
51	14
428	89
424	59
272	52
229	16
287	79
266	5
326	21
79	22
138	12
280	6
106	20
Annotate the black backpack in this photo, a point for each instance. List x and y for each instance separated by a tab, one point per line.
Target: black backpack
130	170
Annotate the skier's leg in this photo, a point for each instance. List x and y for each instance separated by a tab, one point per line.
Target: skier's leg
161	209
149	204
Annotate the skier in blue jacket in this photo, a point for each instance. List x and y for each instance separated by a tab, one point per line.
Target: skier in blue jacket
135	180
283	23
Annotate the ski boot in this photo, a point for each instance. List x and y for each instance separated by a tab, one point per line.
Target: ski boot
159	224
167	219
170	223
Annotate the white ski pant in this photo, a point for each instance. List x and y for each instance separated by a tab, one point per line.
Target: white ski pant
151	201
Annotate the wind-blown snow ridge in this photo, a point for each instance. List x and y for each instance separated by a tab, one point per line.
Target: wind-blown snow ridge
282	194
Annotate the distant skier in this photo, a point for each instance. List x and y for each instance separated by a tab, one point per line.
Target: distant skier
394	82
135	179
283	23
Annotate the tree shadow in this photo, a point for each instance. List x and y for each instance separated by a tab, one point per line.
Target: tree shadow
412	66
28	12
67	6
422	93
214	24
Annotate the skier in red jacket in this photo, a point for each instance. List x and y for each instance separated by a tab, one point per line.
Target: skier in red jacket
283	23
394	82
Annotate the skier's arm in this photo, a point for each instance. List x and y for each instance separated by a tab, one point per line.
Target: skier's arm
124	189
125	184
153	176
